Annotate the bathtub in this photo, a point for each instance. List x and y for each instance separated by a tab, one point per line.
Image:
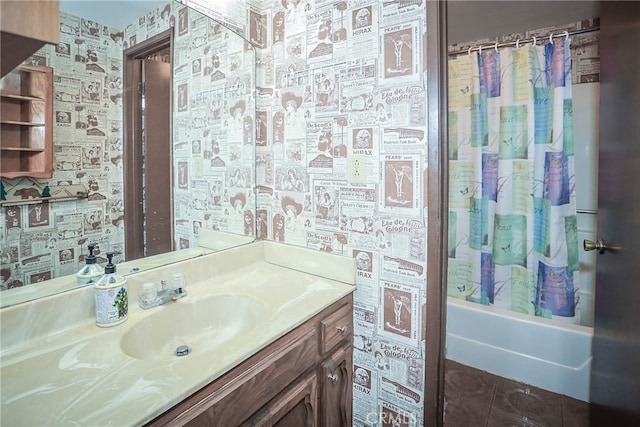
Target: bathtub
547	354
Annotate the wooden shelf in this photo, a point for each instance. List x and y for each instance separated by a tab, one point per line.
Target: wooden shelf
21	97
18	123
26	149
22	174
55	194
26	132
41	200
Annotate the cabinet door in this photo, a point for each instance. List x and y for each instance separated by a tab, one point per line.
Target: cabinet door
335	400
294	407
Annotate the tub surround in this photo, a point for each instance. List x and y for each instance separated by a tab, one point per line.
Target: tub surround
541	352
59	368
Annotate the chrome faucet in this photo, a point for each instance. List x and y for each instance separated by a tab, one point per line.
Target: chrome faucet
164	296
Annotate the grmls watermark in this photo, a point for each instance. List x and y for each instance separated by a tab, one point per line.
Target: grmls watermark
391	418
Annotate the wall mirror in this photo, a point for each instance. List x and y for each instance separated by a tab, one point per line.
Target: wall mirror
206	164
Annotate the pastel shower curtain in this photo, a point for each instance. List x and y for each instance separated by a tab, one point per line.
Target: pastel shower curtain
513	238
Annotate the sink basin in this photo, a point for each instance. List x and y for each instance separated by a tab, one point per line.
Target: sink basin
201	324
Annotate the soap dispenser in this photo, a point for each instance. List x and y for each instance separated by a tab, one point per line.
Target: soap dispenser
91	272
112	300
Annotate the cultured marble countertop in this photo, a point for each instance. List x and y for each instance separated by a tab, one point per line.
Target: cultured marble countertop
59	368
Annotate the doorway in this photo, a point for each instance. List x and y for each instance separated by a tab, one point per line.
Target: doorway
147	154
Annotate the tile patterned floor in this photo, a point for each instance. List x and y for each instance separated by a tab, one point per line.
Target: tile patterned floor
477	398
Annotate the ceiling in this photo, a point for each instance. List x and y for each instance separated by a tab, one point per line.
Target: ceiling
115	13
467	19
470	20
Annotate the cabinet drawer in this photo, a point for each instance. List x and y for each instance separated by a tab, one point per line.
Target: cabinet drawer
336	327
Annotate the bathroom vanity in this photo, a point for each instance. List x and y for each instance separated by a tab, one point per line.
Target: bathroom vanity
269	327
302	379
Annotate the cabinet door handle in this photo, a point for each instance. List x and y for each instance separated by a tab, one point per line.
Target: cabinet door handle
333	378
342	329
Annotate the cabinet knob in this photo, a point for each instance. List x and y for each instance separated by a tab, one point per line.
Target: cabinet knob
333	378
342	329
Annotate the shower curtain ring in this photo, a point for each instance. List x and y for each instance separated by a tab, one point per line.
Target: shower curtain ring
566	35
534	40
518	44
469	51
496	47
480	49
551	38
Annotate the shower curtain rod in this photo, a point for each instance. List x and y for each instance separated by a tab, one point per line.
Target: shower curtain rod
520	42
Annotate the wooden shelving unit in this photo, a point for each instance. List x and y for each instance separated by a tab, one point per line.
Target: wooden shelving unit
26	116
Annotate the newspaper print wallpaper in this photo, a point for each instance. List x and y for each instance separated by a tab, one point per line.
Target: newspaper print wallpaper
341	83
213	124
337	82
213	143
87	138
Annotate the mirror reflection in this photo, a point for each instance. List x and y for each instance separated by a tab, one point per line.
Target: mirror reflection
201	174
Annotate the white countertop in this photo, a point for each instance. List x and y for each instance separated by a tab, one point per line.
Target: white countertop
79	375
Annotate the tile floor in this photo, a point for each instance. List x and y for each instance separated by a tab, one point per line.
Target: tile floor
478	398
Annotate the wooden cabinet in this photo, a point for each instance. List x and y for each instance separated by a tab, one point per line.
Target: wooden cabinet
26	134
25	26
335	400
336	369
302	379
295	406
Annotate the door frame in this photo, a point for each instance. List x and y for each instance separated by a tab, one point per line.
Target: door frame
436	199
133	156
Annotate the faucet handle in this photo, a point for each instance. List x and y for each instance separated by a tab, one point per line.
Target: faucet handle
179	293
148	292
163	283
177	280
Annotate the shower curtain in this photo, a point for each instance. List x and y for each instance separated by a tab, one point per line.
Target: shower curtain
513	238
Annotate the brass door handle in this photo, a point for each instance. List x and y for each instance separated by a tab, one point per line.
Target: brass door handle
600	245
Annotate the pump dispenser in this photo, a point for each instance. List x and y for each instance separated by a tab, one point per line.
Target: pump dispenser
112	299
91	272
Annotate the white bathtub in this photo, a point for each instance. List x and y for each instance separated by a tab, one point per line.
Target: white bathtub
546	354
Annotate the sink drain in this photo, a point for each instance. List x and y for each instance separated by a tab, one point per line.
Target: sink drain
182	350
